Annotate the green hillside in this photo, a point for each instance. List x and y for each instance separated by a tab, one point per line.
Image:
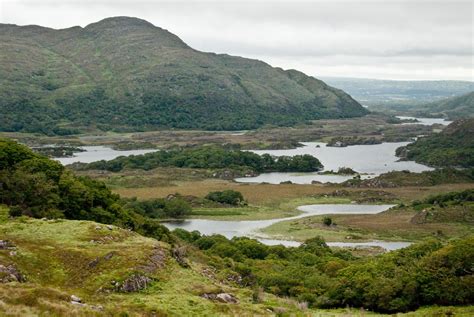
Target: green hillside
453	108
125	74
454	146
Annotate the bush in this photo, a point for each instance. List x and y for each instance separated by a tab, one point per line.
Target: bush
230	197
327	221
176	208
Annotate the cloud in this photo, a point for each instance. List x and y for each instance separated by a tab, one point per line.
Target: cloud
394	39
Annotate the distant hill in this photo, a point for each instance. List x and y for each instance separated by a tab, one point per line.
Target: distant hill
454	146
126	74
452	108
378	92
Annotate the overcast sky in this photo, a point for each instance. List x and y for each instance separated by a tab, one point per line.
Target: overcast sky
415	39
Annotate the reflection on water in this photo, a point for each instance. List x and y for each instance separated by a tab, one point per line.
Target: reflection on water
372	160
250	228
97	153
425	121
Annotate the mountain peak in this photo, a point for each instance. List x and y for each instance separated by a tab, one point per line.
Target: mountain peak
120	22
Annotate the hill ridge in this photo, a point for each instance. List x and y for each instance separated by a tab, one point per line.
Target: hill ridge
125	74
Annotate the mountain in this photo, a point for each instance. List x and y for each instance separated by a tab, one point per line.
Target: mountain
126	74
454	146
452	108
398	93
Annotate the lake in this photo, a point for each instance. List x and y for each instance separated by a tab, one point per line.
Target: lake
97	153
250	228
371	160
425	121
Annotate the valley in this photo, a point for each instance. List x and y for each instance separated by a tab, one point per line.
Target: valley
144	176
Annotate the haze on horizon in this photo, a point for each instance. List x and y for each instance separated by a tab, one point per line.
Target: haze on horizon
402	40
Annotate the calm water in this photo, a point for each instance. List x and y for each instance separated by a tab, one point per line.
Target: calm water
97	153
250	228
426	121
367	159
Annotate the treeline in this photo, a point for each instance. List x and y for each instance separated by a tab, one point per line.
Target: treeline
447	199
423	274
210	157
35	186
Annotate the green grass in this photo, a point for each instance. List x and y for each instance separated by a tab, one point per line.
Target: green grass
279	209
55	257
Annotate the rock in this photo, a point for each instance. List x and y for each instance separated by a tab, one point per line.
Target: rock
226	298
157	260
93	263
135	283
179	254
10	274
78	303
221	297
110	227
75	299
109	255
98	228
12	253
6	244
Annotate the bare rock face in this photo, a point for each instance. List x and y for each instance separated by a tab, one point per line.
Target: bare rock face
134	283
10	274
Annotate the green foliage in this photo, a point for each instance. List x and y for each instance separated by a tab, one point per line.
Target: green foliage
211	157
327	221
36	186
452	198
84	78
230	197
427	273
177	207
454	146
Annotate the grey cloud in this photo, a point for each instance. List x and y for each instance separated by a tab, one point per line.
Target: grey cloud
391	39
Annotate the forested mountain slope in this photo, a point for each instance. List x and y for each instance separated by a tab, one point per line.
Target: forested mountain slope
126	74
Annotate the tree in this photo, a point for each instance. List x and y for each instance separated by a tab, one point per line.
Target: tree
176	208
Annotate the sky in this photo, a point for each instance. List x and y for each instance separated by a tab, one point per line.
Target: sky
404	39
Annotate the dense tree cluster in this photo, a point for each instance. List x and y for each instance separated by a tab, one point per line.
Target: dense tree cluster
35	186
230	197
210	157
424	274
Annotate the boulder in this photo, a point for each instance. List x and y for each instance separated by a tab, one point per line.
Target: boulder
226	298
10	274
134	283
75	299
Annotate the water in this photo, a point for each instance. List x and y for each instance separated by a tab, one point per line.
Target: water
371	160
426	121
250	228
97	153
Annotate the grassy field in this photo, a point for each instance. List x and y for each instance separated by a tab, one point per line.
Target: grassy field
391	226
